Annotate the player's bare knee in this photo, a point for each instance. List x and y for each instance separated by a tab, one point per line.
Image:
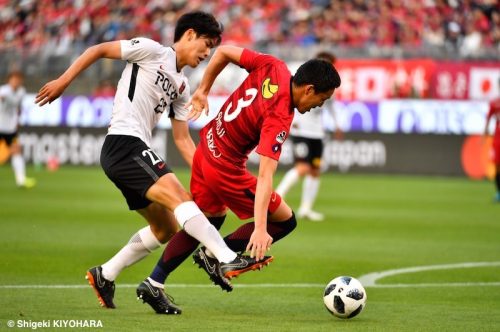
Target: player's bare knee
282	213
169	198
163	233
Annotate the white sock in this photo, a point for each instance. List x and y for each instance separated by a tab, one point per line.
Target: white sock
291	177
197	225
139	246
155	283
310	189
17	162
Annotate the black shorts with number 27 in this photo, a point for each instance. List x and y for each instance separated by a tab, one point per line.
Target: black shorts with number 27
132	166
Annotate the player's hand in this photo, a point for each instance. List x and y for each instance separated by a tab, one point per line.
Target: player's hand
49	92
259	243
197	105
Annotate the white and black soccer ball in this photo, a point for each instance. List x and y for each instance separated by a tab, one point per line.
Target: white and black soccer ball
344	297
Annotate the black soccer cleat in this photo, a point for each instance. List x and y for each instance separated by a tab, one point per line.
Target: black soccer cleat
161	302
242	264
104	288
213	269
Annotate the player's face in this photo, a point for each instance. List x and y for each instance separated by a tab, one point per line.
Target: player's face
311	99
200	48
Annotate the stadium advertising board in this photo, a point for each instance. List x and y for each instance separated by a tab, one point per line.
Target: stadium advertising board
387	116
72	146
373	80
85	111
431	117
358	152
72	130
380	79
465	80
385	154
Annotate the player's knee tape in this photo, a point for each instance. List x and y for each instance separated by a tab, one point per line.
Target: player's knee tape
217	221
186	211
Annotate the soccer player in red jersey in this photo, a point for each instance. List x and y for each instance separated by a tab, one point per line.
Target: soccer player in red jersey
494	112
258	114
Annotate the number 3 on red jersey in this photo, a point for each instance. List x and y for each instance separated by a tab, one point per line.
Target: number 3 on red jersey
242	103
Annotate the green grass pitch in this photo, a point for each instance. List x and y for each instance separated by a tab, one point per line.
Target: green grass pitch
75	218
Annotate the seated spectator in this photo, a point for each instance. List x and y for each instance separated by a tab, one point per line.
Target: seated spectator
29	26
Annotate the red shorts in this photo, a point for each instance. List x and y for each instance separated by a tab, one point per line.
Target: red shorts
214	189
495	150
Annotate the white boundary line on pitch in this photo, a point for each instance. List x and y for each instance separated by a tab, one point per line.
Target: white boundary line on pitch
167	286
370	279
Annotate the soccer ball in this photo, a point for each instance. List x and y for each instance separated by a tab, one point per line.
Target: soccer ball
344	297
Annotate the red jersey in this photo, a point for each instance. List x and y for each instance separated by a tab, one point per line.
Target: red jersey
257	114
495	112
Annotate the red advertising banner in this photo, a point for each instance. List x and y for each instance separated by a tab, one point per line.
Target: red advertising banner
466	80
450	81
375	80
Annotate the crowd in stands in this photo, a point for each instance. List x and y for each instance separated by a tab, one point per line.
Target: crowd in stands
55	27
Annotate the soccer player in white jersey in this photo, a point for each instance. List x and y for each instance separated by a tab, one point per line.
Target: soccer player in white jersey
152	83
307	135
11	98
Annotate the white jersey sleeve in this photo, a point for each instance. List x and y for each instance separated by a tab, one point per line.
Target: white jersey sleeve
139	49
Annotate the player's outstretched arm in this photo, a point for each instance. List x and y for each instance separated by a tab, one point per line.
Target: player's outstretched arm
53	89
260	240
224	55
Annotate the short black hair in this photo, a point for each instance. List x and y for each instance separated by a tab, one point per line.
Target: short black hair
204	24
321	74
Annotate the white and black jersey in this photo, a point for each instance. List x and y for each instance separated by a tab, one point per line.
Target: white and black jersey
10	104
310	124
149	86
